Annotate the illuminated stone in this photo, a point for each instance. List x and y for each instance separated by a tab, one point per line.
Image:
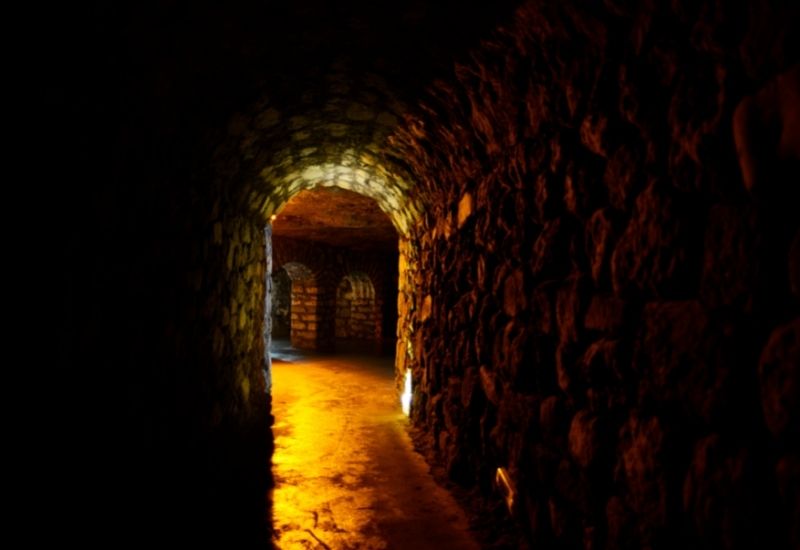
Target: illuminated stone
427	306
313	173
465	207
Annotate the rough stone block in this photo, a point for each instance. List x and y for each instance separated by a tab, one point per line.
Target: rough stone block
718	471
731	259
571	302
514	297
584	438
779	376
606	313
465	208
602	231
622	177
641	451
690	360
658	253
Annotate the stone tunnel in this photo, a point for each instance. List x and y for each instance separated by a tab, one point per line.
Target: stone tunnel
573	226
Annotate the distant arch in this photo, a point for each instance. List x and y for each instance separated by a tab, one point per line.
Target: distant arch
358	313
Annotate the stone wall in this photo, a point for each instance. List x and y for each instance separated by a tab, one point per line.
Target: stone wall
408	302
364	322
358	309
603	301
596	297
309	308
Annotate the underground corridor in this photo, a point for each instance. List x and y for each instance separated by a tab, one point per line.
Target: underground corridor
345	471
345	275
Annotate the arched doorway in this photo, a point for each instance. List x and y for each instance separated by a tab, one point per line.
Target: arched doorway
357	310
341	253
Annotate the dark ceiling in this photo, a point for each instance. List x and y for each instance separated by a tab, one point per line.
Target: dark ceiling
159	80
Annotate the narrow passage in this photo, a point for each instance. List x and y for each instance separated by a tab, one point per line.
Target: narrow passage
346	474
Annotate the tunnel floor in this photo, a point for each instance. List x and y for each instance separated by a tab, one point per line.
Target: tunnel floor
346	473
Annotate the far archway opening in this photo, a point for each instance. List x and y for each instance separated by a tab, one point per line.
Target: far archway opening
334	281
358	313
341	254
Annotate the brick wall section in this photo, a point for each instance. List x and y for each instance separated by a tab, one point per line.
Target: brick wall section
307	316
314	310
364	322
358	309
603	301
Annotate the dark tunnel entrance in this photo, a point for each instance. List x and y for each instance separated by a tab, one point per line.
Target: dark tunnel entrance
333	294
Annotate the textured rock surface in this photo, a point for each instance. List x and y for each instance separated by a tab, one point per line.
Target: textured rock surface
621	279
598	256
779	374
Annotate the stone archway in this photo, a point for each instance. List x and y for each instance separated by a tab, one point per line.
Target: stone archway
332	138
357	309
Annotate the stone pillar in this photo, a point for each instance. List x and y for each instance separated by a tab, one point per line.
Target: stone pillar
305	317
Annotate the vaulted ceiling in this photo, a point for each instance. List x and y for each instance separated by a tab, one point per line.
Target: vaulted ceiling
335	217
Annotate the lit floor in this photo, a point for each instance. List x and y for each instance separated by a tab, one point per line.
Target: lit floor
345	472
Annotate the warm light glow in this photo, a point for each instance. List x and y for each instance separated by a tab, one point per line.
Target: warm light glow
272	217
405	399
506	486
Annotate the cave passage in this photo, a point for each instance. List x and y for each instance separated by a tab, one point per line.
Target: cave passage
345	472
334	279
572	226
